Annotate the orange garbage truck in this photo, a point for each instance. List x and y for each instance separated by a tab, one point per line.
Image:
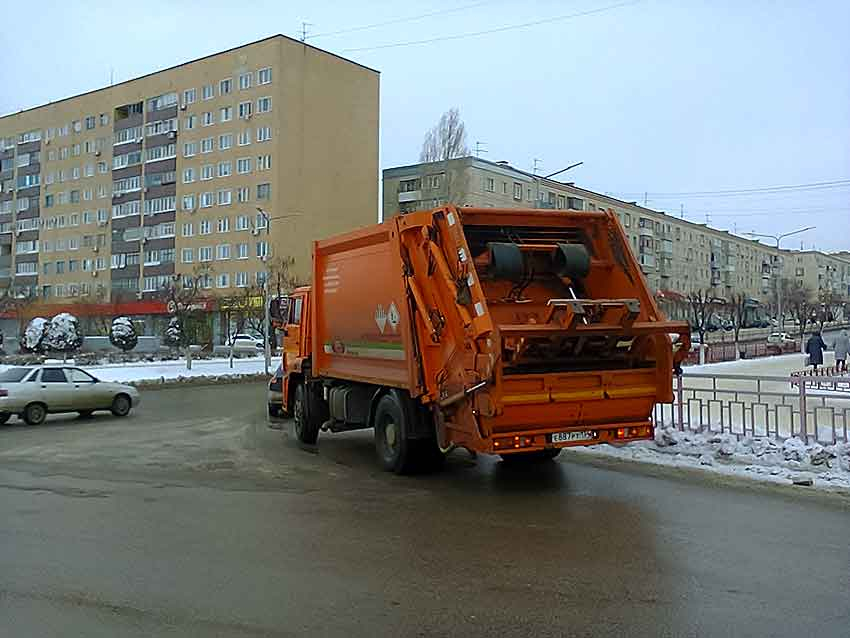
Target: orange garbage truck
503	331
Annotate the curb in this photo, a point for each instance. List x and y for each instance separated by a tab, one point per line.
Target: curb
164	384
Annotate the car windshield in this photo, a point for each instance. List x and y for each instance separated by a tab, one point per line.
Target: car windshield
14	375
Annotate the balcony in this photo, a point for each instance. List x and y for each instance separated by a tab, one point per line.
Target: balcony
409	196
666	247
646	231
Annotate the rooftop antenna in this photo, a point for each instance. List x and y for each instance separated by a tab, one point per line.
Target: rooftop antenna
304	26
534	165
111	76
480	147
682	211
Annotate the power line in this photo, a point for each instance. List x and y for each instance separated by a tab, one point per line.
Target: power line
803	211
509	27
842	183
421	16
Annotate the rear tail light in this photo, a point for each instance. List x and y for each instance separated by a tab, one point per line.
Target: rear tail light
640	431
513	443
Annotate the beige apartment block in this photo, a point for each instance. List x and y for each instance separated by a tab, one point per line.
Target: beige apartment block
112	193
675	255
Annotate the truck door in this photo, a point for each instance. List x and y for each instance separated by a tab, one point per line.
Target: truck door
292	335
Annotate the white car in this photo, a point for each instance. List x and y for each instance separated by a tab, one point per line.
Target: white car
243	342
780	339
34	392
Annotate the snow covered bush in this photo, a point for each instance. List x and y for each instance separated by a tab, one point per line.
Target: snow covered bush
174	336
122	334
63	333
33	338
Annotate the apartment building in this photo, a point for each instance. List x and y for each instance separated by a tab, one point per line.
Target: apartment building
109	195
824	273
675	255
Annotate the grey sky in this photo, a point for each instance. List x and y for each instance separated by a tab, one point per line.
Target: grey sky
658	96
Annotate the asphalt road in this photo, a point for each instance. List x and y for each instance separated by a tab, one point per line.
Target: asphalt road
192	518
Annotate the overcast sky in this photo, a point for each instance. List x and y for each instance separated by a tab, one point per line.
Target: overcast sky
661	97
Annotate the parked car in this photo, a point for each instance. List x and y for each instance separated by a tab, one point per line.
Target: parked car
245	341
33	392
275	395
780	339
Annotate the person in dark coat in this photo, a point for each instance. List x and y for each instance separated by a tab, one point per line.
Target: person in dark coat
842	348
814	348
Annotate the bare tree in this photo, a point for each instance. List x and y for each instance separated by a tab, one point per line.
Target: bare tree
181	295
702	306
737	307
446	140
799	302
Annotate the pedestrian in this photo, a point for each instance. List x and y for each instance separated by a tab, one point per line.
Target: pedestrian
841	347
814	348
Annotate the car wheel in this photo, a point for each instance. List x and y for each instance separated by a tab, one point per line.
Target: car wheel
85	414
306	430
4	417
35	413
121	405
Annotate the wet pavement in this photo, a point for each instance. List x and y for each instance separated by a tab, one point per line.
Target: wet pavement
192	518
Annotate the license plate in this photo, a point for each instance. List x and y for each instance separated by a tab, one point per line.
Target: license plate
566	437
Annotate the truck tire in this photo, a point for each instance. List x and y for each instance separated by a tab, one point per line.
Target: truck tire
396	451
538	456
306	428
4	417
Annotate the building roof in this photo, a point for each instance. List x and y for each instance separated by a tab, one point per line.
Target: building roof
177	66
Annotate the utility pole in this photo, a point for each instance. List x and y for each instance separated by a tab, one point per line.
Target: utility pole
266	320
776	282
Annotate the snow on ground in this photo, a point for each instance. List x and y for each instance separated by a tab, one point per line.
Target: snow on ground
760	458
170	370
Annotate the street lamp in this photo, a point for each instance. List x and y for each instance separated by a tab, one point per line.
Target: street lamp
777	284
266	319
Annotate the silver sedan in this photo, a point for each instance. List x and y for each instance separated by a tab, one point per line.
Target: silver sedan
34	392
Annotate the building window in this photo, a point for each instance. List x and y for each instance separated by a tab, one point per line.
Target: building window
262	249
90	122
241	279
208	92
166	151
489	184
264	162
245	109
206	200
223	251
244	81
160	205
223	280
225	113
225	169
191	122
189	96
205	253
245	137
225	86
264	191
208	119
188	202
224	198
207	171
264	76
243	165
188	229
264	104
223	225
264	134
225	141
187	255
162	101
188	175
243	194
242	251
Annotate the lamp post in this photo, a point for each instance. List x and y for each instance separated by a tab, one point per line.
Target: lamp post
777	283
266	334
537	178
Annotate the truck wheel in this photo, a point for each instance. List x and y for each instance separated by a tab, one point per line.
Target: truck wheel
538	456
306	430
4	417
395	451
